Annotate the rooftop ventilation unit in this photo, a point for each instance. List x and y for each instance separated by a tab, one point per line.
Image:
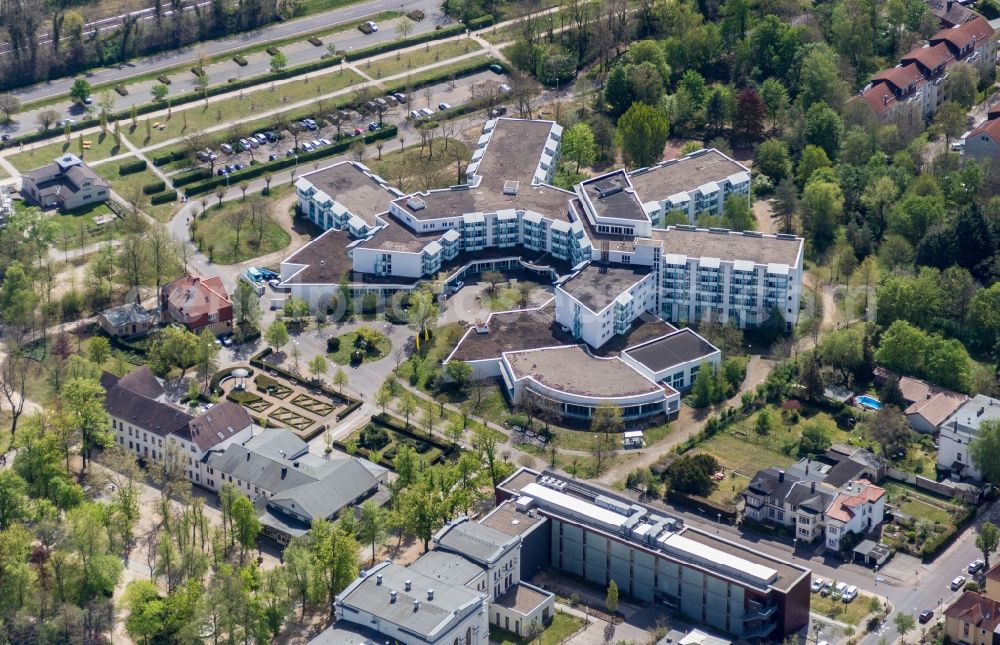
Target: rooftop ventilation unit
415	203
608	191
510	187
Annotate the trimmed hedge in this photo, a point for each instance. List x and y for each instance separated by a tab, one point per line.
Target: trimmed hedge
164	197
480	22
393	45
155	187
257	170
198	174
163	78
162	160
272	51
121	89
132	167
239	60
315	42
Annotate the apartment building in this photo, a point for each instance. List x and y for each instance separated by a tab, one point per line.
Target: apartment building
451	594
345	196
599	536
145	424
918	86
959	430
748	278
600	302
826	498
973	619
697	183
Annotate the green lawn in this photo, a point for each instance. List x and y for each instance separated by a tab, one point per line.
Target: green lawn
102	146
562	627
497	36
398	62
245	104
343	355
127	185
455	68
77	228
920	506
745	456
730	490
410	169
215	233
851	613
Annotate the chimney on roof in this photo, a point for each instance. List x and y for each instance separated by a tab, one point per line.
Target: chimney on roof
378	579
781	476
284	471
980	412
248	455
416	605
392	597
295	463
808	461
430	594
812	487
407	585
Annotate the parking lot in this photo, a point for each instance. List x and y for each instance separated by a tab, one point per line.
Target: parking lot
337	124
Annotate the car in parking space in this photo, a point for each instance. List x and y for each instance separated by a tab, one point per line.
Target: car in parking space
228	149
976	566
499	110
839	590
372	25
400	97
62	122
444	106
372	127
958	146
272	157
503	88
325	141
426	111
307	146
849	594
290	152
261	139
358	131
381	102
957	583
817	585
496	69
244	144
271	136
926	615
344	114
221	172
415	114
89	100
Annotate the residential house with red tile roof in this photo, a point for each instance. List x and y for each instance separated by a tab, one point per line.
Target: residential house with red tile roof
197	303
917	87
929	405
983	142
858	508
972	619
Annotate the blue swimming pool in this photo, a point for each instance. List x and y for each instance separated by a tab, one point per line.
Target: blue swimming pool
866	401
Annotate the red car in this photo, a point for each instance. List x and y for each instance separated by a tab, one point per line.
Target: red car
358	131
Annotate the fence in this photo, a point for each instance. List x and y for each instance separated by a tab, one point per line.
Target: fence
965	492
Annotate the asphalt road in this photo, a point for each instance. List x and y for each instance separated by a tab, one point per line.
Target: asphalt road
297	53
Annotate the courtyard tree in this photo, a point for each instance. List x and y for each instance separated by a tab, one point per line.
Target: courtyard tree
987	540
99	350
372	525
246	526
642	132
276	335
460	373
889	430
692	474
486	442
493	278
578	145
318	366
422	313
207	356
607	418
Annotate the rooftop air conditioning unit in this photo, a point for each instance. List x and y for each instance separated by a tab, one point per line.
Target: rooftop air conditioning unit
415	203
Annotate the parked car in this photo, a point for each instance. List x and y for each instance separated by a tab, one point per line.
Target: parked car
444	106
221	172
230	167
372	25
307	146
381	102
204	155
426	111
253	143
271	136
400	97
976	566
849	594
838	591
228	149
358	131
817	585
498	111
372	127
325	141
957	583
261	139
415	114
503	88
244	144
272	157
290	152
240	166
958	146
496	69
926	615
63	122
89	100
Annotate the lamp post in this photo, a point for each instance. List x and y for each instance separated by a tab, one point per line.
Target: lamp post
718	522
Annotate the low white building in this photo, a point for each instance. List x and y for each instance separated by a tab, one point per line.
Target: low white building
674	359
600	302
959	431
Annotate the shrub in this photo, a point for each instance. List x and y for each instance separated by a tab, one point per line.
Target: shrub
373	437
132	167
197	71
333	344
162	160
190	177
388	46
239	60
517	420
480	22
163	78
155	187
164	197
121	90
272	51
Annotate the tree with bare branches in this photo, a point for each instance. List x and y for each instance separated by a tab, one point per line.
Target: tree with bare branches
14	369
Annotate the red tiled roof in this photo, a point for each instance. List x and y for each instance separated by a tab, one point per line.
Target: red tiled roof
990	127
930	57
880	98
842	507
975	609
195	297
994	572
901	76
979	28
957	37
